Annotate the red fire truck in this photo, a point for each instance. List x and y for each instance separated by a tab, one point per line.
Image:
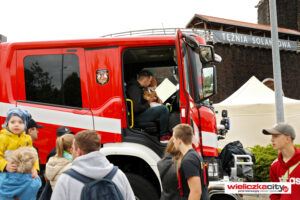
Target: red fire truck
81	84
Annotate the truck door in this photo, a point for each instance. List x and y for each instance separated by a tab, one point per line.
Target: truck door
106	91
52	86
185	90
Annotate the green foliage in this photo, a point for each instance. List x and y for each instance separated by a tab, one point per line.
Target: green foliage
264	157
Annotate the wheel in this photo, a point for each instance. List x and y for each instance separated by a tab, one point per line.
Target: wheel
142	188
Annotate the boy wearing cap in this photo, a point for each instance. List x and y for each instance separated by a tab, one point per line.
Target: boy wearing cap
286	168
32	129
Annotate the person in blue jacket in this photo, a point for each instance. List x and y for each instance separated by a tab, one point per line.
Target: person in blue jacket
20	184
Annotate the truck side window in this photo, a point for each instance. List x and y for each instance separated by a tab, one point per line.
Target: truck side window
53	79
186	69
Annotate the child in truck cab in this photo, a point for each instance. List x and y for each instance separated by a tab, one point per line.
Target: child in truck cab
150	94
142	110
12	137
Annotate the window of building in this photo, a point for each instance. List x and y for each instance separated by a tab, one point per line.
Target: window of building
53	79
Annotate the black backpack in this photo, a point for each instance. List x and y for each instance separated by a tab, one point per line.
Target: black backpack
104	188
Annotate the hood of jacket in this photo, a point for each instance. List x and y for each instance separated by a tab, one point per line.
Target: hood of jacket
14	184
55	165
295	159
94	165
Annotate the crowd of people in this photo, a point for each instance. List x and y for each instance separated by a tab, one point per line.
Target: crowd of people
76	167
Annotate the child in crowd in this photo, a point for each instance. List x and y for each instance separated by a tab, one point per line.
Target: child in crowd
20	184
150	94
62	160
12	137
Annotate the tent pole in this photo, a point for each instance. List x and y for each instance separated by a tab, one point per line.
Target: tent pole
276	63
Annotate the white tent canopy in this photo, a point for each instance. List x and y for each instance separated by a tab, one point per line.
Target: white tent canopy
252	108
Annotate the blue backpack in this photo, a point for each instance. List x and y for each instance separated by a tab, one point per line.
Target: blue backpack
104	188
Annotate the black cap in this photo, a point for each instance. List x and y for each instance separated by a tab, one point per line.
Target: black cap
32	123
63	130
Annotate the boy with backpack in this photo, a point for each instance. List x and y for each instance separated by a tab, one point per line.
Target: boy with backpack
91	175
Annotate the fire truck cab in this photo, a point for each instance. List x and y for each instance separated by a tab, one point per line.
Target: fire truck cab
81	84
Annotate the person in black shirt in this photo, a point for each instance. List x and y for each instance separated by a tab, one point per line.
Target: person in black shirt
192	175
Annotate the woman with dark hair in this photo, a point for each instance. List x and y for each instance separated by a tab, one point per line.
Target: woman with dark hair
168	167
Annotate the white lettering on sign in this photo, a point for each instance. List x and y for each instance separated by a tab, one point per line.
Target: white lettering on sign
221	36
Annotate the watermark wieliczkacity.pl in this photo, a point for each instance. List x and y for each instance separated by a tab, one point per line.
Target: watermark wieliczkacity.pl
258	187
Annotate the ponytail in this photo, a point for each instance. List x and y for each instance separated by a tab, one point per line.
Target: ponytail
63	143
59	146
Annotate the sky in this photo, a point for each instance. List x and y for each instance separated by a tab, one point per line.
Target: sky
39	20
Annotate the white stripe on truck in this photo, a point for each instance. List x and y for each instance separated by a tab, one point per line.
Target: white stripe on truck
209	139
68	119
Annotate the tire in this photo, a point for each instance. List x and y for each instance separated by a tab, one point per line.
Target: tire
142	188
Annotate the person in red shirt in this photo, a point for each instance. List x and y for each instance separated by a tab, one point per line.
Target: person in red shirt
286	168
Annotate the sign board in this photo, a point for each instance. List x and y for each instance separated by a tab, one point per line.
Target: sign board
243	39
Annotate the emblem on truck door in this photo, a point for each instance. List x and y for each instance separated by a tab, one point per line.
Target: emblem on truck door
102	76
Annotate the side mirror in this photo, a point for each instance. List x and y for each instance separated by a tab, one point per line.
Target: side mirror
207	54
209	81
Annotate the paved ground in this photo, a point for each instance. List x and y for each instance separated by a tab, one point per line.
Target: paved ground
256	197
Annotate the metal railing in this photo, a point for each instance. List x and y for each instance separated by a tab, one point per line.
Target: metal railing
237	161
161	31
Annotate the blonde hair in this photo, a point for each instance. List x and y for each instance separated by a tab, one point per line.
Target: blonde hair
177	155
64	143
24	158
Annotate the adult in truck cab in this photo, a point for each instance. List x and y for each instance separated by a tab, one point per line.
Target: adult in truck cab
141	108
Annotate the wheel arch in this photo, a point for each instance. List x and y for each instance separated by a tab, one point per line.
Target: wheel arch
134	158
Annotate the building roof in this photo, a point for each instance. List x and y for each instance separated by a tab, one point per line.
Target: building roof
216	23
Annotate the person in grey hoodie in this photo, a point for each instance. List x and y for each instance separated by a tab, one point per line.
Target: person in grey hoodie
90	162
